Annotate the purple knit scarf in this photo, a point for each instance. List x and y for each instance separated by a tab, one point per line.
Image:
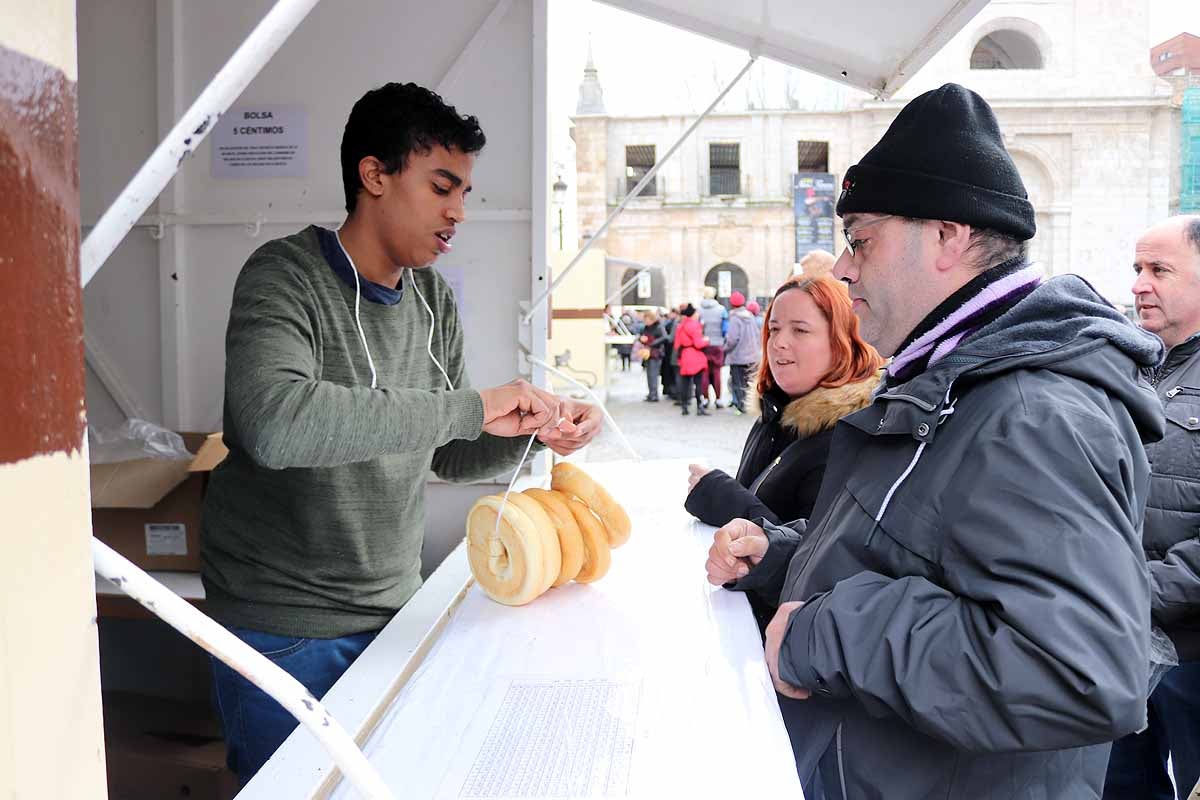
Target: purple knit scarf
981	307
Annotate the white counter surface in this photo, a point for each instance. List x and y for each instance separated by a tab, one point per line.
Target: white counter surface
649	683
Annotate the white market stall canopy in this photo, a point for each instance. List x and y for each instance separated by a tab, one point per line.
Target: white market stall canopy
868	44
871	45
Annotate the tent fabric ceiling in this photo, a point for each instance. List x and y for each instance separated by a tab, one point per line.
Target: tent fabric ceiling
875	45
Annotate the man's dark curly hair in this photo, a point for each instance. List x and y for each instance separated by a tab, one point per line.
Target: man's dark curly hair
395	120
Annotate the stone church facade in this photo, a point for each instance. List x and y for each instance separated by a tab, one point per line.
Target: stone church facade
1092	129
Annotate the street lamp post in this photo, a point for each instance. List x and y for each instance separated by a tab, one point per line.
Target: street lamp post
560	196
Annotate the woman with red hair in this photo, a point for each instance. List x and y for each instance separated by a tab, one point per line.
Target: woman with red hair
815	369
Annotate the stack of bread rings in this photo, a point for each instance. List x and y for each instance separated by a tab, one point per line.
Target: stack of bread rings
546	537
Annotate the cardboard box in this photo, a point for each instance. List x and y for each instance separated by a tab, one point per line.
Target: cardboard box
148	509
159	748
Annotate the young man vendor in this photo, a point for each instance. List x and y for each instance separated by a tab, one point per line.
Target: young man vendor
345	384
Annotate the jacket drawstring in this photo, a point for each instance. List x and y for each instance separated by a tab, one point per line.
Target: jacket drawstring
841	764
887	499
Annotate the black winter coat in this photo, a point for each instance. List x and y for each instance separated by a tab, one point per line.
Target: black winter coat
1171	537
784	458
976	604
658	339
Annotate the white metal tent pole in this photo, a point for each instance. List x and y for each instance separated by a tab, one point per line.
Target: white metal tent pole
632	194
243	658
246	62
625	286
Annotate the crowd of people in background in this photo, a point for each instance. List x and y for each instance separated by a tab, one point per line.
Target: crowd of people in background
685	350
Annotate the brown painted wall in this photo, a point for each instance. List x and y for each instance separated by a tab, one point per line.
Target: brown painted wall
41	321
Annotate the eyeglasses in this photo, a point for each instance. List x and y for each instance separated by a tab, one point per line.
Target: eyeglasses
853	244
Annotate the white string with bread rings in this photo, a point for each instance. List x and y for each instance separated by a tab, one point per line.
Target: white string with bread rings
516	474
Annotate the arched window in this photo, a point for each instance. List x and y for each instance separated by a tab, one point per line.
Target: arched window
1007	49
648	291
1040	187
735	280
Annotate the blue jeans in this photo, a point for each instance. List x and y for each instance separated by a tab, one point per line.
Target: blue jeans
254	723
1137	768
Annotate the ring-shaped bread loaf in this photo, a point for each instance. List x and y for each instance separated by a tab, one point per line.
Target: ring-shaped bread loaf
547	530
570	540
571	480
597	554
509	564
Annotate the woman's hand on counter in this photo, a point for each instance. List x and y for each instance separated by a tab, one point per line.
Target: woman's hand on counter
695	473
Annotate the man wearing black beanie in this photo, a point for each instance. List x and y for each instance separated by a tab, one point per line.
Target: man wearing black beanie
966	613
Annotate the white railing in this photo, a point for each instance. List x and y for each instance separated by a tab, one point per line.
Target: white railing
255	667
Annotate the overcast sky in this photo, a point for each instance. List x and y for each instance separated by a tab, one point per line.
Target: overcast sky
648	67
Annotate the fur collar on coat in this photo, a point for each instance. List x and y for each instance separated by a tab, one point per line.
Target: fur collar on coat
820	409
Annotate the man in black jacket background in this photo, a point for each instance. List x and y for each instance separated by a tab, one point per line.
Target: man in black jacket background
1167	291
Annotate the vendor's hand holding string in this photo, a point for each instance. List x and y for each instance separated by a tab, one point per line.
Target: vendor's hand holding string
579	424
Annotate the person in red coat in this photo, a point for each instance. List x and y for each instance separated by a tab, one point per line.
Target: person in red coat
689	346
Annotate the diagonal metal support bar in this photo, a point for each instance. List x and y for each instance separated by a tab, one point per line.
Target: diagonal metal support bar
649	176
246	62
641	267
452	76
624	287
96	358
247	661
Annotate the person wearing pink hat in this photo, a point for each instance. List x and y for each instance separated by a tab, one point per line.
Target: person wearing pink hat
754	308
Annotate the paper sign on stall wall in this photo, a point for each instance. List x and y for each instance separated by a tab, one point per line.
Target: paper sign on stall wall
166	539
262	141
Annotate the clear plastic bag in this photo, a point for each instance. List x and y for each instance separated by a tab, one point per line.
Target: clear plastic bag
1163	657
135	438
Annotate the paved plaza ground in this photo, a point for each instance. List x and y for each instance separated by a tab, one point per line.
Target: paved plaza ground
659	430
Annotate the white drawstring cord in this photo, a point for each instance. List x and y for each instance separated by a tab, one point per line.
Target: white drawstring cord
357	321
887	500
888	497
432	321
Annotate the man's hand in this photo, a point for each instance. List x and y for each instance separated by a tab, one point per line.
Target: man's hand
517	409
578	424
736	548
695	473
772	646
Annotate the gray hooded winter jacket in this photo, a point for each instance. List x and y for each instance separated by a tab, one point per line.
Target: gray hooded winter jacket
711	315
1172	536
977	613
743	342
